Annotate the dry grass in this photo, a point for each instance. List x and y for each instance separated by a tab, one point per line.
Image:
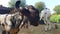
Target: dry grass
39	30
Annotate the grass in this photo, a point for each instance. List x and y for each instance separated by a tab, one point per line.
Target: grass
39	30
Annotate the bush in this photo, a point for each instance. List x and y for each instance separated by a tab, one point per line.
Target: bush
55	18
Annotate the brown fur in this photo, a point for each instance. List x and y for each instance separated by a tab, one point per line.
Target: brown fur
14	31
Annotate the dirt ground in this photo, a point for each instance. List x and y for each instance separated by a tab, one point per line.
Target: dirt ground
38	30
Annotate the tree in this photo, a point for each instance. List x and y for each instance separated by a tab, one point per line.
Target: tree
23	3
40	5
57	9
12	3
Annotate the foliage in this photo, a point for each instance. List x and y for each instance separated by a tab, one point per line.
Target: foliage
55	18
57	9
22	4
12	3
40	5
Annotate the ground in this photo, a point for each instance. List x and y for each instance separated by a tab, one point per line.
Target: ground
38	30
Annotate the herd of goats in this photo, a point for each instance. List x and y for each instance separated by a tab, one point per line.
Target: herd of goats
18	17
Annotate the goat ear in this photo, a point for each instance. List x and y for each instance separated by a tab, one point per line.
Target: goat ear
17	4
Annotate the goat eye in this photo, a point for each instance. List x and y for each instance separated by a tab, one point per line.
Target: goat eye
3	25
